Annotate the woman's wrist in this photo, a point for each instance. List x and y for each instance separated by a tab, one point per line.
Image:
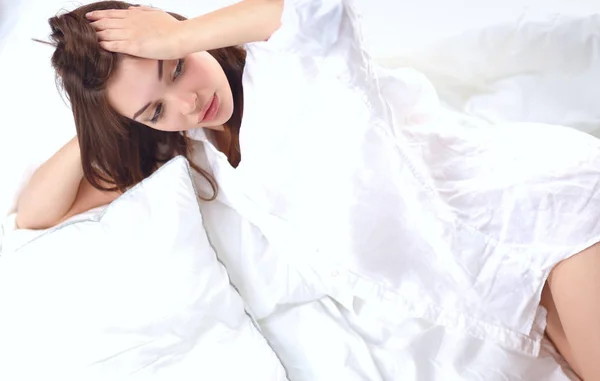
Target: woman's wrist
188	38
243	22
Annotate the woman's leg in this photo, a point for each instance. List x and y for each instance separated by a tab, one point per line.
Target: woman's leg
555	331
575	293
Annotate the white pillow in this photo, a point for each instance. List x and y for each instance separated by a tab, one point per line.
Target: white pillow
134	293
7	9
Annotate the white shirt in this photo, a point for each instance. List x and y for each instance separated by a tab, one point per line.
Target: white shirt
355	185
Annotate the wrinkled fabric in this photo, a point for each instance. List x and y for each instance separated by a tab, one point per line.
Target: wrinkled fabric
360	188
134	292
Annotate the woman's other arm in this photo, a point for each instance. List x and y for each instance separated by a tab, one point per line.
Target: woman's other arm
57	191
151	33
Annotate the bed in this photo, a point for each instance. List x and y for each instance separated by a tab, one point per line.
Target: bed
519	61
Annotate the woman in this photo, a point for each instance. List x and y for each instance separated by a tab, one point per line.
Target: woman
189	77
113	162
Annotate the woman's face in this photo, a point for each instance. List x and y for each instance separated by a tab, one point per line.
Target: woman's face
173	95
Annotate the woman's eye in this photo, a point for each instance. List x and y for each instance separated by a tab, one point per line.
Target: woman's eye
178	69
157	113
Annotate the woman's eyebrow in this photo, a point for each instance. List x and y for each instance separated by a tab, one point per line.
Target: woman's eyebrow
161	64
141	111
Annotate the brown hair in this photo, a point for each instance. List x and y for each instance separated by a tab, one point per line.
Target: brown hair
117	150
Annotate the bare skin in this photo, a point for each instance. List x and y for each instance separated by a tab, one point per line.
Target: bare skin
58	191
571	298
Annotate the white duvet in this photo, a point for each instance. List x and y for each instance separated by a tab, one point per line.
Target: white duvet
283	230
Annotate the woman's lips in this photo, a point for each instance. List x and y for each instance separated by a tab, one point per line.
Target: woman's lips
211	111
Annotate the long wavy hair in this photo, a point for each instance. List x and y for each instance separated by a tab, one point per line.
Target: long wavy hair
118	152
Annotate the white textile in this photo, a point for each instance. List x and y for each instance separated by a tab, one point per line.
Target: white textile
392	201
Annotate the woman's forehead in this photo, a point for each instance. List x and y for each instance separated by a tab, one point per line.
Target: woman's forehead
133	84
129	66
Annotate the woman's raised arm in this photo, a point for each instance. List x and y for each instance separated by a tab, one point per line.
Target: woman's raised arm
151	33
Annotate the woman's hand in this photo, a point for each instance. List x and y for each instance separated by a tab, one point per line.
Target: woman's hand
151	33
139	31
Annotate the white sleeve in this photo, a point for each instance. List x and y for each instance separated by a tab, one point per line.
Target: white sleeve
308	27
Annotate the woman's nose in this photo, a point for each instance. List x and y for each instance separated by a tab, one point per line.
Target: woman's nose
188	102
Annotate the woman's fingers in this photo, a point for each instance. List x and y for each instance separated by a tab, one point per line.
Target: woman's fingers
114	46
141	31
104	24
143	8
113	35
108	13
